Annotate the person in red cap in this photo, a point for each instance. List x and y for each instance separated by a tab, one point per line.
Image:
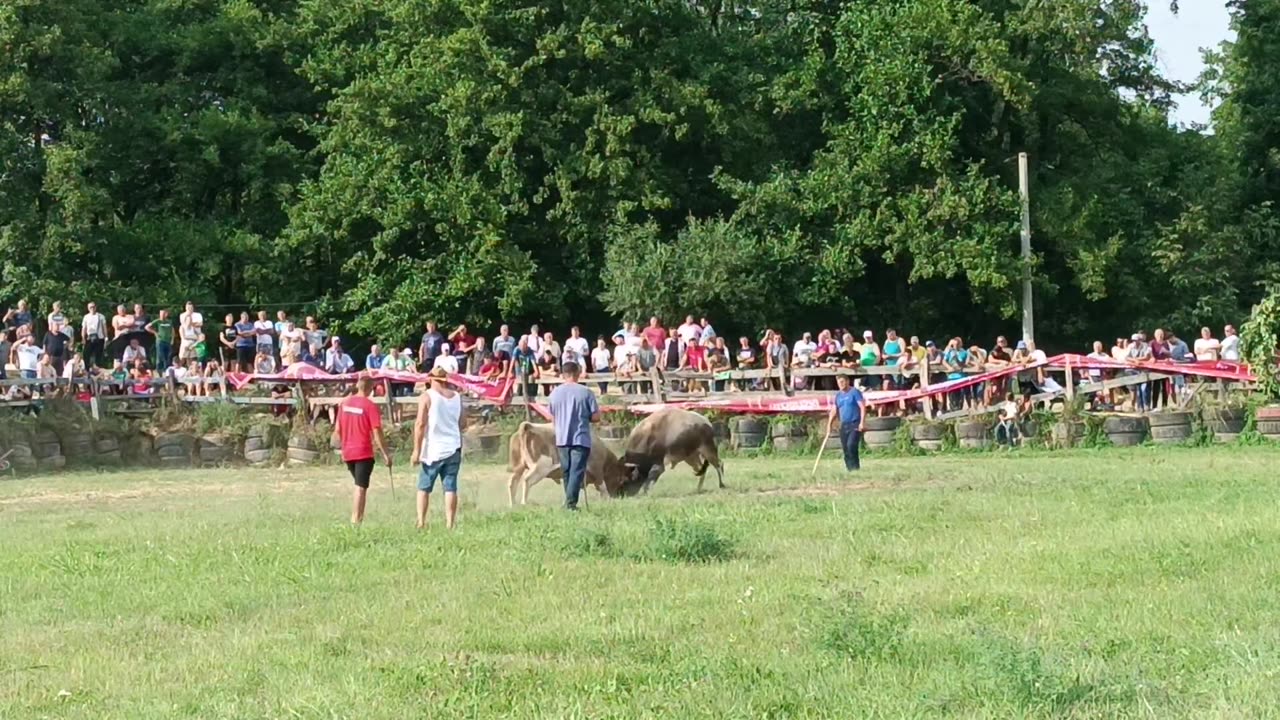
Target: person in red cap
358	430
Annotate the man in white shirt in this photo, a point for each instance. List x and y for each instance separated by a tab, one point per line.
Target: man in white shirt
190	326
576	348
445	360
93	330
802	352
336	360
26	355
291	344
1230	346
689	331
534	340
1207	347
133	353
264	334
437	443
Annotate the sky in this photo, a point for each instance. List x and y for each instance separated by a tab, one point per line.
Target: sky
1198	24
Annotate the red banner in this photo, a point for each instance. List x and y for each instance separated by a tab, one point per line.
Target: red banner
494	390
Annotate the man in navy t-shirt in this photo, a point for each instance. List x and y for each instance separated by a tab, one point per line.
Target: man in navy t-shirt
851	407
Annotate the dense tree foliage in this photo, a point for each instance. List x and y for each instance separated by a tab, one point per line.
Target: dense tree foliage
797	162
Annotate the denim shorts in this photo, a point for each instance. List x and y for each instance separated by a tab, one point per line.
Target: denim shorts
446	470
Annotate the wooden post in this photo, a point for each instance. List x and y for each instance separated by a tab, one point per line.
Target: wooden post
1071	383
300	398
95	408
386	391
924	385
659	392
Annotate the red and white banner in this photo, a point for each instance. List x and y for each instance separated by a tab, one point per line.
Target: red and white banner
494	390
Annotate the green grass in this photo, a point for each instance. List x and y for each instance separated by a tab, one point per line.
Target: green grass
1117	583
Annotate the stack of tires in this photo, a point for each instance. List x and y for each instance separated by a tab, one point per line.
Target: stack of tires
1068	433
139	448
1125	431
477	444
788	436
302	451
48	451
721	430
973	434
106	448
257	446
1170	428
1226	423
216	449
174	449
22	456
748	433
1267	422
880	433
77	445
928	435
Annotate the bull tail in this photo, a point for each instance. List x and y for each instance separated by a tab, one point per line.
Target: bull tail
515	447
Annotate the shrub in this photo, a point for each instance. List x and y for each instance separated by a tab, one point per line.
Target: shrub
688	541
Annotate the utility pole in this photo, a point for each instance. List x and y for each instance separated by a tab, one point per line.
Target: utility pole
1024	190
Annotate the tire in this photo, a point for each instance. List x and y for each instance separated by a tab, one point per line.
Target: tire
1117	424
111	457
45	437
1169	419
930	445
721	430
749	425
788	444
214	455
1126	439
50	464
972	431
169	452
1270	428
254	444
931	433
217	440
258	457
48	450
22	452
1270	412
78	445
302	442
1220	427
174	440
303	456
1170	434
880	439
106	444
175	462
748	441
889	422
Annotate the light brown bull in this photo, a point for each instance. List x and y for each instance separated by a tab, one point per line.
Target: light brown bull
533	455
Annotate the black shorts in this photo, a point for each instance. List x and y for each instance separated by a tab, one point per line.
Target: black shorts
361	471
244	356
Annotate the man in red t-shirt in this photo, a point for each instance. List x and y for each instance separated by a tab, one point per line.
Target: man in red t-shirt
358	429
655	334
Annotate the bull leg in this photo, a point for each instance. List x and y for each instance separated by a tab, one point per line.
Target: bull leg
511	486
699	471
533	476
655	472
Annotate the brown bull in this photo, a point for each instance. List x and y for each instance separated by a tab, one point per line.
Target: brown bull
666	439
533	455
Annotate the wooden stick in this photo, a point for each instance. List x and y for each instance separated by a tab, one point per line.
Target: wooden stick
825	440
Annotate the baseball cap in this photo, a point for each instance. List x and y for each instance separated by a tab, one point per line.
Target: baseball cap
1136	336
867	334
1022	345
929	343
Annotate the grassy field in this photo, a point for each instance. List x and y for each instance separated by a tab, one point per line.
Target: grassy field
1111	583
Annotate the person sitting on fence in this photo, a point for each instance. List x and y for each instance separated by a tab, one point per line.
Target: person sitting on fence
74	369
1007	432
213	377
140	380
717	363
695	360
548	367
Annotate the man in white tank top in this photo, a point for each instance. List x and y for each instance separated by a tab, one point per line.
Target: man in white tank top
437	443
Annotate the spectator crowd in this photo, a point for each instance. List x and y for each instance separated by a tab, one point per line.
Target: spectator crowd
132	348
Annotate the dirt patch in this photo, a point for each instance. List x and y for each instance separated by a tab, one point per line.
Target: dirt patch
143	491
814	490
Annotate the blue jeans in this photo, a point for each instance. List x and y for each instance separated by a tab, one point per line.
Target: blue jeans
164	356
573	461
849	438
29	374
446	470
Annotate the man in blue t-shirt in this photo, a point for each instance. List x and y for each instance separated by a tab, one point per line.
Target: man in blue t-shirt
851	406
573	408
